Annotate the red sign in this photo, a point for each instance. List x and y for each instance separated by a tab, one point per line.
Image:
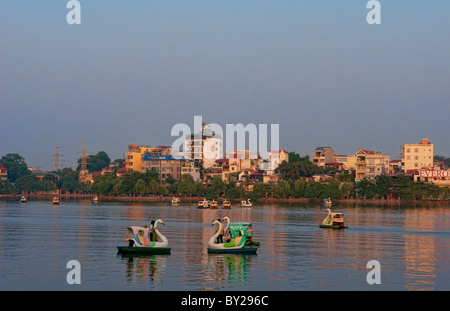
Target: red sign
432	173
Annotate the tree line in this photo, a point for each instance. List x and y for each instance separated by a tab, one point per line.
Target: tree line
295	183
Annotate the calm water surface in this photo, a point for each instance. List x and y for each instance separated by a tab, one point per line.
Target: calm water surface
412	244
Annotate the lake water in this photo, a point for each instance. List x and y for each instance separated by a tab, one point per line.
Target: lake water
37	240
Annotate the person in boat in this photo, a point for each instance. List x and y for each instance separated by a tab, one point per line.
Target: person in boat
153	236
220	237
250	234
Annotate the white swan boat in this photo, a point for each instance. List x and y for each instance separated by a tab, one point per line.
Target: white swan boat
240	239
333	221
203	204
139	242
246	203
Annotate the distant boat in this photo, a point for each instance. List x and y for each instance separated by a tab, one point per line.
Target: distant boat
226	204
213	204
55	201
327	202
333	221
23	199
246	203
175	201
95	199
203	204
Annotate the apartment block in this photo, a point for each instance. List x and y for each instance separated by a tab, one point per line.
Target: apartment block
417	156
161	160
205	145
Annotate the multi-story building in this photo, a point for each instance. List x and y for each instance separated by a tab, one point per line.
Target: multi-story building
243	159
370	164
417	156
276	157
188	167
161	160
364	163
205	146
134	155
323	155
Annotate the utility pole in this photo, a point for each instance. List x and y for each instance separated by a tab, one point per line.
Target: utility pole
57	160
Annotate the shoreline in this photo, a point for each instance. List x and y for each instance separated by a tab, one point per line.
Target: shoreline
155	199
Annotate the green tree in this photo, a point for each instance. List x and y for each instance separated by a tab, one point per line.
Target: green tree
140	187
283	189
95	163
16	166
7	187
28	183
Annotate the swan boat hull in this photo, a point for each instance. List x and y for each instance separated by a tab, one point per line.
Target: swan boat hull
333	226
143	250
244	250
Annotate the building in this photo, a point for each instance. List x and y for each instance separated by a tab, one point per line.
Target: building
370	164
276	157
323	155
395	166
205	146
243	159
133	157
188	167
417	156
3	173
432	176
161	160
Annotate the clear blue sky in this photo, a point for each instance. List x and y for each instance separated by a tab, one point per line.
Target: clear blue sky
133	69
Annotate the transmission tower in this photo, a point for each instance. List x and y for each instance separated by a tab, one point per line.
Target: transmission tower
83	169
57	160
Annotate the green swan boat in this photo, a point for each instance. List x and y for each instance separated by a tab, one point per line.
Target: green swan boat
241	241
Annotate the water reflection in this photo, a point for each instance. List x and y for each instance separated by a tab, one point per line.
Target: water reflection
144	269
412	244
230	269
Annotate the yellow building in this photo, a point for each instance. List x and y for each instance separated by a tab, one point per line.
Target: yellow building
417	156
134	155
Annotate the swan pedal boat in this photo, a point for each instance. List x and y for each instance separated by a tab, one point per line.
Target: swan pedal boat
213	204
139	242
246	203
203	204
333	221
241	239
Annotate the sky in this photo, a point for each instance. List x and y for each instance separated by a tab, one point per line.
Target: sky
134	69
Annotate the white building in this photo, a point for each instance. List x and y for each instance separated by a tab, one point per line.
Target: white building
205	146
